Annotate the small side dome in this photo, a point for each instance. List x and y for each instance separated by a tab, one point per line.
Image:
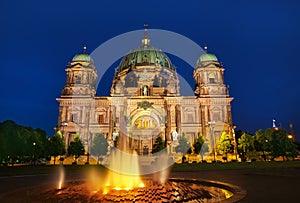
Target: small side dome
207	57
83	57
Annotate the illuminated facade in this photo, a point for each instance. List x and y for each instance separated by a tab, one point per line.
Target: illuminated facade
144	101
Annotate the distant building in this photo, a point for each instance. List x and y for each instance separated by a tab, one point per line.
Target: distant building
144	101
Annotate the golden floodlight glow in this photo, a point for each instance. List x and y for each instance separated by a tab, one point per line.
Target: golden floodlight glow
105	191
116	180
61	178
59	185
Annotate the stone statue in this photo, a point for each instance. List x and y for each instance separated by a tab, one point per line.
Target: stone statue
145	90
115	135
174	136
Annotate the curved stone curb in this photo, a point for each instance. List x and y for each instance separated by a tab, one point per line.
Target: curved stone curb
238	192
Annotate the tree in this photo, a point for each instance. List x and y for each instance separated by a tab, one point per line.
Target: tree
36	143
245	144
238	134
99	145
76	148
261	142
275	142
225	144
158	145
183	146
20	143
297	145
281	145
12	142
57	146
200	146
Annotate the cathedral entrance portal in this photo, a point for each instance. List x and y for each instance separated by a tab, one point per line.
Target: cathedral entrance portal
145	150
143	133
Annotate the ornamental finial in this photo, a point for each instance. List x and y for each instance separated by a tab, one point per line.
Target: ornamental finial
145	40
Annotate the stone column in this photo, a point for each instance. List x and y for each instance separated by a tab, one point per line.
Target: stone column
222	74
64	114
229	115
83	116
203	121
225	114
178	119
168	123
111	122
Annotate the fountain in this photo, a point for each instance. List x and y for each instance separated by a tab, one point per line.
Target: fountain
123	182
124	172
126	181
61	177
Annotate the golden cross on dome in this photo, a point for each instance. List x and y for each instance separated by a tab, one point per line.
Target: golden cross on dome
146	39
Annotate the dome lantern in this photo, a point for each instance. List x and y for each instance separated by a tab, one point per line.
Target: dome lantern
146	40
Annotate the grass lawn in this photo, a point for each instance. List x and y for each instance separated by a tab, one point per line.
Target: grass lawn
50	169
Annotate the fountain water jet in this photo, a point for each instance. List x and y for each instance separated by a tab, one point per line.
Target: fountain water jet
61	176
161	168
95	180
124	171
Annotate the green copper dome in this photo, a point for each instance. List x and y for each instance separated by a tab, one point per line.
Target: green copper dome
207	57
145	56
83	57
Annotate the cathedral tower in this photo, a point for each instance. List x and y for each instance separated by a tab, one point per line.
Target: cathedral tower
213	96
81	77
77	99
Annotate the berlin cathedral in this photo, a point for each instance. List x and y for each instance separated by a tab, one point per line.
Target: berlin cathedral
144	102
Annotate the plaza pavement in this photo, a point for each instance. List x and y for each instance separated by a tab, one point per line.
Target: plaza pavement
261	185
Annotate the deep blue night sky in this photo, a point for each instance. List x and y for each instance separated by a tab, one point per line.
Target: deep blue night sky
257	41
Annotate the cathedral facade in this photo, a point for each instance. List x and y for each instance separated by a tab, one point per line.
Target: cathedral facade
145	102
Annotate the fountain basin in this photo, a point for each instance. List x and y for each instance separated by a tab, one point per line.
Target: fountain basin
174	190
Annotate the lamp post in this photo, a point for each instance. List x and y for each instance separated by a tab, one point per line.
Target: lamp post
34	150
88	137
88	149
64	124
212	125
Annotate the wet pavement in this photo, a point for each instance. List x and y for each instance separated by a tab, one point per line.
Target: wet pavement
261	185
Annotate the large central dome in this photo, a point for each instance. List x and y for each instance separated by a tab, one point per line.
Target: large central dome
145	55
145	71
